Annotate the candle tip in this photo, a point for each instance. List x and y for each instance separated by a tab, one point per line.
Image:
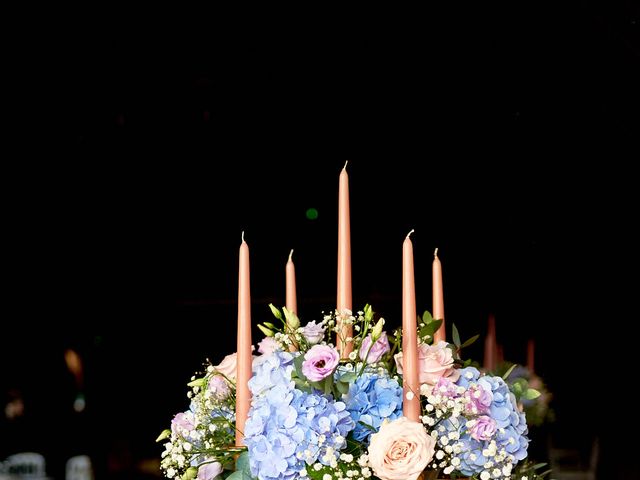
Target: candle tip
409	234
290	254
345	165
435	253
243	235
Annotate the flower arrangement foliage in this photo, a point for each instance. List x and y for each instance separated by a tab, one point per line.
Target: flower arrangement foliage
316	416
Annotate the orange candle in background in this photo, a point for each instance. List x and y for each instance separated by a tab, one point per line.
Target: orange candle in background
344	301
291	302
438	298
531	352
490	345
243	395
411	387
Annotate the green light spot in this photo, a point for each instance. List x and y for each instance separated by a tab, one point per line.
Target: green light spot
312	213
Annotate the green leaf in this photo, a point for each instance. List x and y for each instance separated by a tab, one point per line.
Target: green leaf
508	372
242	463
328	385
343	388
198	382
471	341
276	312
165	434
531	393
455	335
348	377
538	465
517	389
297	364
426	317
239	475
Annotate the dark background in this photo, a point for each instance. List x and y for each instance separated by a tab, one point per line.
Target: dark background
503	135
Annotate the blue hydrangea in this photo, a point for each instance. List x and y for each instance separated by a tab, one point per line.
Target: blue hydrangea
511	424
287	428
371	399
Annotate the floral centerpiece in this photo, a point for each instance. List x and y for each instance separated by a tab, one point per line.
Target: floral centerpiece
314	415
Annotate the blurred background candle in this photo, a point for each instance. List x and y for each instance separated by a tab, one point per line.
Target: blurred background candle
531	353
344	263
411	389
438	297
491	346
243	395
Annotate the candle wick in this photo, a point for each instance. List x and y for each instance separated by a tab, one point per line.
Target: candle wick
290	253
408	234
345	165
435	254
243	235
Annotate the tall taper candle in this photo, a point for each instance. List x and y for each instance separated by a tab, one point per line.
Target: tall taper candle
344	263
411	388
291	302
245	359
438	297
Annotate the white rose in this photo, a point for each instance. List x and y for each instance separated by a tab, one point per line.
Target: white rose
401	450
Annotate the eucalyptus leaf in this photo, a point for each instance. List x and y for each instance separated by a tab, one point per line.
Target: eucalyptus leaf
538	465
470	341
455	335
343	388
348	377
242	463
239	475
426	317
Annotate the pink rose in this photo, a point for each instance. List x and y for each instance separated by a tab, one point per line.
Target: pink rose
228	366
401	450
373	353
434	362
320	362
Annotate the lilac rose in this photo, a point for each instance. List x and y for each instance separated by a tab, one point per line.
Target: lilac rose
209	471
218	387
483	428
183	422
313	333
320	362
373	353
478	400
267	346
